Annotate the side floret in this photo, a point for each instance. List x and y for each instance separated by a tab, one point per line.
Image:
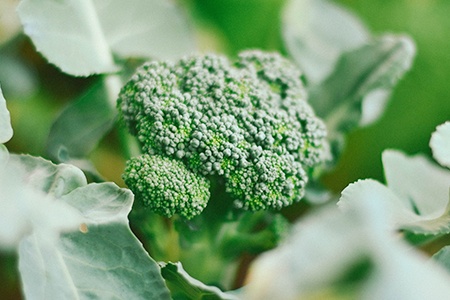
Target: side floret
166	186
246	122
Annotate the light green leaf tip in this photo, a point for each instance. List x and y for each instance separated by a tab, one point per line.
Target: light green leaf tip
6	131
357	90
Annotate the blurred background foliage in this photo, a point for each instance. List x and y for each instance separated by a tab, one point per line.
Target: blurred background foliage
36	91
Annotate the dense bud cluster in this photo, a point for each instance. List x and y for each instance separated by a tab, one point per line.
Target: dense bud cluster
246	121
166	186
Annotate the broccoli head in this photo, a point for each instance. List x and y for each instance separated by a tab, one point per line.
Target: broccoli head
246	122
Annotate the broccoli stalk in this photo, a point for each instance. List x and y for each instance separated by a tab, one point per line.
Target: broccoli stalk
223	143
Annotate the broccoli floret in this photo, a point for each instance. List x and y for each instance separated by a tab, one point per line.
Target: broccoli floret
246	122
166	186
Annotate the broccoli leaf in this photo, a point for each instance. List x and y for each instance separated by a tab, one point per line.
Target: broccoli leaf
81	36
81	125
416	194
103	260
183	286
74	238
369	69
6	131
317	32
346	254
18	79
29	187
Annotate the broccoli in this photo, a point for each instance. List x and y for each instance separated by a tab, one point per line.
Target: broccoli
245	125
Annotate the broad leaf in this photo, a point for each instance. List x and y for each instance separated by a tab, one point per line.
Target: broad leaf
317	32
46	177
69	34
17	77
6	131
103	260
417	194
28	188
81	36
422	185
81	125
145	28
345	254
183	286
371	68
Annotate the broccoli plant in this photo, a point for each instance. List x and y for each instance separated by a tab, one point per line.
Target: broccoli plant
245	126
213	155
240	132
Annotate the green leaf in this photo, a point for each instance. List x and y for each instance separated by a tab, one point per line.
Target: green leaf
18	78
48	178
80	36
29	187
103	260
145	28
369	69
183	286
346	254
317	32
81	125
6	131
416	194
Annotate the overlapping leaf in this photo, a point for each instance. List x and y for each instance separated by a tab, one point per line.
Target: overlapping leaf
81	36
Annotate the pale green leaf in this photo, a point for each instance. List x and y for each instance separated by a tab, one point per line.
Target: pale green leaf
101	203
368	190
317	32
69	34
345	254
6	131
145	28
18	78
101	260
81	36
369	69
421	185
28	188
440	144
400	212
81	125
48	178
183	286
